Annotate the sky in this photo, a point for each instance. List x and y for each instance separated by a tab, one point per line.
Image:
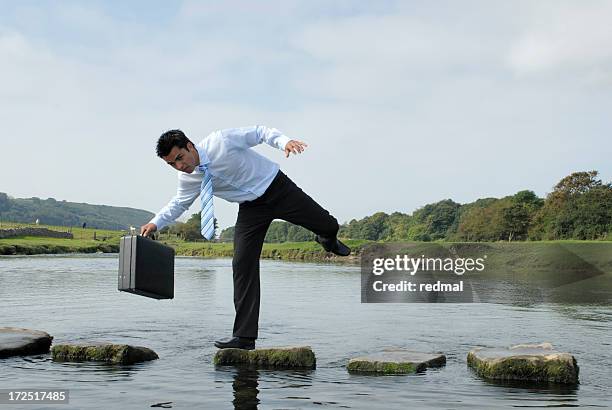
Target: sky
402	103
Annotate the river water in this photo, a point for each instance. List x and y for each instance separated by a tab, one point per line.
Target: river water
75	299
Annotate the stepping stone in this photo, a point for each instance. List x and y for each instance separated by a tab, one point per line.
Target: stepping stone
297	357
15	341
102	352
532	362
395	361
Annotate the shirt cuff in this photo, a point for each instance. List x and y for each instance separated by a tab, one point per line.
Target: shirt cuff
282	142
158	221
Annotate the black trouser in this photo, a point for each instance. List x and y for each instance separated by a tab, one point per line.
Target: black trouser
282	200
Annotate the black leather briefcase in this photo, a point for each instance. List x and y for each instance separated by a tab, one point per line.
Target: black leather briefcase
146	267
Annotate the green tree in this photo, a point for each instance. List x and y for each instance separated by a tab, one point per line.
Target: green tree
518	214
418	232
296	233
277	232
481	223
577	208
577	183
374	227
437	220
398	226
227	235
191	229
592	213
515	219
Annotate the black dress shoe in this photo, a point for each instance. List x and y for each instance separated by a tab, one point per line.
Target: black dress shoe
333	246
236	343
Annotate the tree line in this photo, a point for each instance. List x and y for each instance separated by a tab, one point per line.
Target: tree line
579	207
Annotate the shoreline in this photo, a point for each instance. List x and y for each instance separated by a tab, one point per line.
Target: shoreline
294	251
524	256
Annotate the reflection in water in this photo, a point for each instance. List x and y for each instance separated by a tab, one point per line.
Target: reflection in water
560	389
562	395
245	386
86	371
163	405
550	274
599	315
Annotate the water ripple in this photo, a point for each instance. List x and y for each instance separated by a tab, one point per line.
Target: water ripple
76	300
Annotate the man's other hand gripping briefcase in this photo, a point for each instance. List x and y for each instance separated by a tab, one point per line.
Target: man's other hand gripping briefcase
146	267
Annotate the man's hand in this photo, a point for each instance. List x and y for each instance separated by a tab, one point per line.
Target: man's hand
294	146
148	229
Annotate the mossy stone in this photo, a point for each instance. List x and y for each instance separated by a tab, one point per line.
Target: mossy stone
16	341
395	361
298	357
528	362
102	352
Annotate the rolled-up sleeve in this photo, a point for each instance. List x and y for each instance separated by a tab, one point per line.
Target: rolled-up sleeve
187	191
247	137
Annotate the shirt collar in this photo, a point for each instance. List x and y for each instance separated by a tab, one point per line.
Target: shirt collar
204	161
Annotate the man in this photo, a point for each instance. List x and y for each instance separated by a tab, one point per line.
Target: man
223	165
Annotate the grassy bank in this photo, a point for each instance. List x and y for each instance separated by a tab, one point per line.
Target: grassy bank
545	255
37	245
84	241
108	242
304	251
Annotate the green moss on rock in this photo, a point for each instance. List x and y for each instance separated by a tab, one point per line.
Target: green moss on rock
109	353
395	361
361	366
301	357
538	363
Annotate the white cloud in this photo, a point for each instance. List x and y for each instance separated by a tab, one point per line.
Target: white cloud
566	36
386	57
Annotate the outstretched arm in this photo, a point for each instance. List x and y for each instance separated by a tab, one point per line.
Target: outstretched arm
187	191
247	137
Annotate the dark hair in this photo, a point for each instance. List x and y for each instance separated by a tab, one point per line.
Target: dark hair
170	139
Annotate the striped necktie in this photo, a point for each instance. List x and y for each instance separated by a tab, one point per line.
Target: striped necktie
207	216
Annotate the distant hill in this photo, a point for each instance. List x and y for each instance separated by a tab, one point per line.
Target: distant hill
52	212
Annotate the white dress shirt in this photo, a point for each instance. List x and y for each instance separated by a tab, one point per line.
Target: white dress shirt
238	173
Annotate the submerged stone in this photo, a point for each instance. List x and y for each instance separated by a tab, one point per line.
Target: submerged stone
530	362
15	341
102	352
298	357
395	361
